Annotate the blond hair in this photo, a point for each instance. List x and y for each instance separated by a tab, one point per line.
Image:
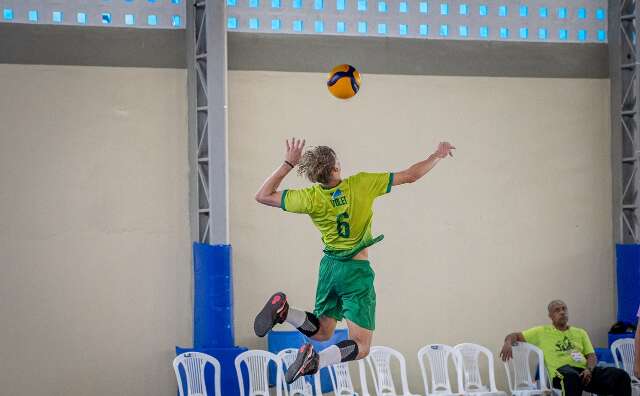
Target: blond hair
317	164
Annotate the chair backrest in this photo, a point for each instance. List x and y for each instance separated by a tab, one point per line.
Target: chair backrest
519	368
341	379
623	350
470	367
438	356
300	386
379	362
257	364
193	364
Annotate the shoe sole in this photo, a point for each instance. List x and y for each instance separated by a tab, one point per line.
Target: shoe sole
301	362
266	319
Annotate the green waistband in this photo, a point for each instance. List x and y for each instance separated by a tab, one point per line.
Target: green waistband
350	253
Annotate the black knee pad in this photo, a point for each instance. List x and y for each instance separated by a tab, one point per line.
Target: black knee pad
348	350
311	325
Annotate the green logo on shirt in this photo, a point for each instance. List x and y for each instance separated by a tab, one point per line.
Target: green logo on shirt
565	345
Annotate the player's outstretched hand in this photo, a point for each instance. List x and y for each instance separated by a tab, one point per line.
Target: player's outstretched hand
294	150
444	149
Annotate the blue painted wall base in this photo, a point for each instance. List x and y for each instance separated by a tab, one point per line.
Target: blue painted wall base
604	355
213	315
628	276
212	296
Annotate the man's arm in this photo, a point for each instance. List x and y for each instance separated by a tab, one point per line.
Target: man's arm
419	169
507	349
268	193
592	362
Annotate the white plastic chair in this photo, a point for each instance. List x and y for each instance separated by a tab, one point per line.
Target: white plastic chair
469	366
299	387
519	371
257	364
379	362
438	356
341	379
624	352
194	364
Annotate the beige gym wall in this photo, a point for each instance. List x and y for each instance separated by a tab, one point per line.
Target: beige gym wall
95	279
521	215
95	288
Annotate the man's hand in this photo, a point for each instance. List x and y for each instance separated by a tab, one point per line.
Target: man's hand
585	375
507	352
636	370
444	149
294	151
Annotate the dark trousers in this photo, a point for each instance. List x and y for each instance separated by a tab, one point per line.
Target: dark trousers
604	381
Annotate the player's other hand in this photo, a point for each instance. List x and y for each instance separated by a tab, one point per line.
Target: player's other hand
444	149
294	150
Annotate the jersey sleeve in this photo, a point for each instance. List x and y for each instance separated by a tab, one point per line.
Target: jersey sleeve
297	201
532	335
587	347
374	184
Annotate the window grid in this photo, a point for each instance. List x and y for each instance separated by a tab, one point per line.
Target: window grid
558	21
111	13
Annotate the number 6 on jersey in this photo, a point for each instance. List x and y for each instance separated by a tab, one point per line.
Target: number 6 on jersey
343	226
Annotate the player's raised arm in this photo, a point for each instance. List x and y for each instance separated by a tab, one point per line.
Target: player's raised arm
419	169
268	193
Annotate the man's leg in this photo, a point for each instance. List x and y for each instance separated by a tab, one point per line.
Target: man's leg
309	361
609	381
361	337
277	310
356	347
571	382
356	302
327	328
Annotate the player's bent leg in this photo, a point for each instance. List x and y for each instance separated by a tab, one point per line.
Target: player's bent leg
308	361
326	330
356	347
361	337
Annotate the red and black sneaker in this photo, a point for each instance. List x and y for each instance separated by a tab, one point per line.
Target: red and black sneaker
274	312
306	363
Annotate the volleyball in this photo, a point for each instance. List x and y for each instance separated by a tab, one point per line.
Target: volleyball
344	81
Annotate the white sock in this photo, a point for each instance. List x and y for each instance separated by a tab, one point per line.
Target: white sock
295	317
330	356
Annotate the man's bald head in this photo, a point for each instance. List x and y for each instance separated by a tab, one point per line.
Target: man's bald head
559	314
553	303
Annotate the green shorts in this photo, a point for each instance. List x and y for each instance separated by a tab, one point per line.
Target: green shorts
345	290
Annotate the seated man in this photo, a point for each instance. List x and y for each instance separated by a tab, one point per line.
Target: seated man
569	357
